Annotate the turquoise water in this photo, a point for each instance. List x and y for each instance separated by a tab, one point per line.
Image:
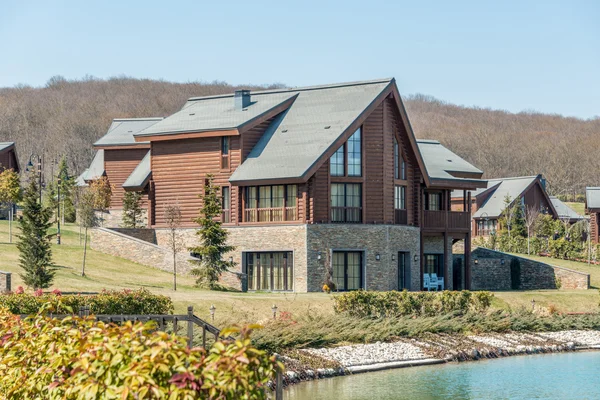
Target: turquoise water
549	376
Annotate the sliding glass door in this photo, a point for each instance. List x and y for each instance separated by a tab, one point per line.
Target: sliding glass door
271	271
347	270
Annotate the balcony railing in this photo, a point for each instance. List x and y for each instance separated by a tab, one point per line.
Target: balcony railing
446	220
401	217
226	216
277	214
349	215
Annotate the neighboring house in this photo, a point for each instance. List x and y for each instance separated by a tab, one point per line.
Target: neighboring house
564	212
315	180
488	204
122	161
592	207
8	157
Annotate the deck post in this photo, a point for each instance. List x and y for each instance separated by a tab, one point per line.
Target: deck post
190	327
279	386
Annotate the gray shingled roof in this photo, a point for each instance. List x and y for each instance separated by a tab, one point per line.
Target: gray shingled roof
121	131
563	210
441	163
514	187
96	169
215	113
592	197
298	137
80	181
6	145
140	175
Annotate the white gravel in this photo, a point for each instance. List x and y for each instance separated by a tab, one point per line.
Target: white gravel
368	354
365	354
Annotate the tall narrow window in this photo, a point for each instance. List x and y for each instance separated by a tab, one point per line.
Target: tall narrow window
354	154
226	204
402	168
336	163
291	192
433	201
401	215
225	152
396	160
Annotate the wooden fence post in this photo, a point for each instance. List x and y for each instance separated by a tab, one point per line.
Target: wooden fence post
190	330
279	386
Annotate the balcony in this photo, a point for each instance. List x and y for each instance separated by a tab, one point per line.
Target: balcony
443	221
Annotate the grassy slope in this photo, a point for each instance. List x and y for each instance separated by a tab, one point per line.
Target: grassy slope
107	272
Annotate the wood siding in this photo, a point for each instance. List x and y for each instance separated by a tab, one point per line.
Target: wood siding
534	197
119	164
8	160
251	137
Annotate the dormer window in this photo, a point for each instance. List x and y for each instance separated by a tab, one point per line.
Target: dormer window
347	160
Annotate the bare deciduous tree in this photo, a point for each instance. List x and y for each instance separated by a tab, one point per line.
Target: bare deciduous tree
172	216
531	216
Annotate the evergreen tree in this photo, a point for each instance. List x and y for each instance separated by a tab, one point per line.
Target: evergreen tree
132	210
51	198
67	191
213	239
35	253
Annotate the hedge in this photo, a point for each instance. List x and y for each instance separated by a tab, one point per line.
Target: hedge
73	358
362	303
107	302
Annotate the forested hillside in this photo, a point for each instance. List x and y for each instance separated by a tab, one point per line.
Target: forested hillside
66	117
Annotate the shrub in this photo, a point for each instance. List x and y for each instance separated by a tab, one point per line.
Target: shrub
47	358
362	303
107	302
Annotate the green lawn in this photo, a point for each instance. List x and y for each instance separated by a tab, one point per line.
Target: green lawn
579	208
108	272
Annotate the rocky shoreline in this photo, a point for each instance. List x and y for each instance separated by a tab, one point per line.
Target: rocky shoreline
431	349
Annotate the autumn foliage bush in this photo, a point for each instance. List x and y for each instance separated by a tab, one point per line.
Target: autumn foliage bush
126	301
363	303
73	358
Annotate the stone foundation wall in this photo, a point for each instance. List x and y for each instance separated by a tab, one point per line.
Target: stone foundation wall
493	272
5	282
113	218
130	248
385	240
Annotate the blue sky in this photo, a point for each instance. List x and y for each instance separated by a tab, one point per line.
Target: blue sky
513	55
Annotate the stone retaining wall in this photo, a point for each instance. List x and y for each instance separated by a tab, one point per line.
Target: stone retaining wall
5	282
145	234
491	270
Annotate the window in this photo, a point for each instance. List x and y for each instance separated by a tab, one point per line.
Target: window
434	264
346	202
349	153
400	198
401	216
225	152
433	201
270	271
354	155
226	204
336	163
347	270
271	203
399	163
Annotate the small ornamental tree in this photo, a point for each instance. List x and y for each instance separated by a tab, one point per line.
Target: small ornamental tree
172	216
213	239
35	253
132	210
87	218
10	193
531	217
102	192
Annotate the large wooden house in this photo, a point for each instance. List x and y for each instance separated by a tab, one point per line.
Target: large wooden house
315	181
121	159
592	208
488	203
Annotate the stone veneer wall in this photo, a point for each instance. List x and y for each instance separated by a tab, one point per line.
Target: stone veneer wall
385	240
490	274
113	218
5	282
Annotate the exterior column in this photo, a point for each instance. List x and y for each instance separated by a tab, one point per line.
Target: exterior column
446	266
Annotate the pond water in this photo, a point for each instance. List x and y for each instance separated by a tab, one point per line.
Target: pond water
548	376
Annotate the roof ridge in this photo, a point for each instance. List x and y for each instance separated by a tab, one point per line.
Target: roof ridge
297	89
430	141
138	119
513	178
